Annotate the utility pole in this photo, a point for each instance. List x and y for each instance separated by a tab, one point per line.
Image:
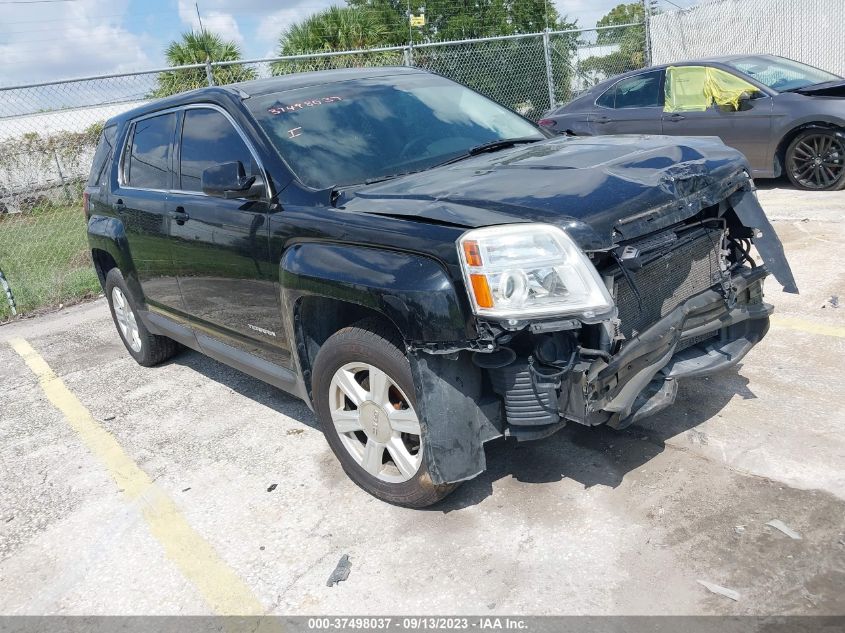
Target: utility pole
646	4
199	17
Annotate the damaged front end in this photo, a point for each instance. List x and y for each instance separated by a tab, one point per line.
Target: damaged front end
686	299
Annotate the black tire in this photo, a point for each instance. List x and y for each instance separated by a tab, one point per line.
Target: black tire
370	343
815	160
149	349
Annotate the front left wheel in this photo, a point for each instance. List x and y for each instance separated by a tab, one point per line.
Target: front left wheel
815	160
364	398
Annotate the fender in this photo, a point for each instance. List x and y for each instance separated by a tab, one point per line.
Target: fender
416	294
413	291
108	234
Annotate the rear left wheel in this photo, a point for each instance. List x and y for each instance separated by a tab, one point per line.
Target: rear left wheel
815	160
364	398
146	348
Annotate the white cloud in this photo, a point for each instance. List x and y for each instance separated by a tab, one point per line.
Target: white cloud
43	41
272	25
221	22
588	12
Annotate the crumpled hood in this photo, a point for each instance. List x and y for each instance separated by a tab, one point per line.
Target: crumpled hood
827	89
601	189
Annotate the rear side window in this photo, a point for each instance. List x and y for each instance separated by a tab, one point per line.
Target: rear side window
209	139
102	157
148	160
641	91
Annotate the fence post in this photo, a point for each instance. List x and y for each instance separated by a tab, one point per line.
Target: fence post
62	177
647	29
550	80
208	74
9	296
408	54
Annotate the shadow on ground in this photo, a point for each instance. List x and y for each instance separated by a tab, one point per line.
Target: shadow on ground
597	456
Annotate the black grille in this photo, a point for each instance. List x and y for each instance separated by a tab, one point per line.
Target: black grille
667	281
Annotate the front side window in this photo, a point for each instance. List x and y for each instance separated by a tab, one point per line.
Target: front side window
209	139
350	132
697	88
148	163
641	91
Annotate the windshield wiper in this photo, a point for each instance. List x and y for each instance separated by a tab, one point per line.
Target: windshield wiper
372	181
492	146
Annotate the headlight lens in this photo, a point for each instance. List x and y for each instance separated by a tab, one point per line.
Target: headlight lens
529	270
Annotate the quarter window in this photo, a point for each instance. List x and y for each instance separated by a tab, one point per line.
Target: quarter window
102	157
640	91
149	157
209	139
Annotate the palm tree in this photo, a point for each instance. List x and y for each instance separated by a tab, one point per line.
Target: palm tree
197	47
337	29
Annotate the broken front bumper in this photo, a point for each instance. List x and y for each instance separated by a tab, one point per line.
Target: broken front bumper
704	334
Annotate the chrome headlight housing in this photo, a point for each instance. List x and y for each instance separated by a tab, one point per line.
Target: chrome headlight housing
518	271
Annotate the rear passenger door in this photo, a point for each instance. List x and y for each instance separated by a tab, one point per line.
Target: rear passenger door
145	175
221	247
631	106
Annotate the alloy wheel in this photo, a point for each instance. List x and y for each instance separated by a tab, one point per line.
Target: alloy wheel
376	422
818	161
125	317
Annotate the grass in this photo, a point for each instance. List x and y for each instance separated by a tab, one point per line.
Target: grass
44	256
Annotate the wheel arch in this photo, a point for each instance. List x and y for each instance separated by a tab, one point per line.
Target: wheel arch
328	286
317	317
110	249
780	150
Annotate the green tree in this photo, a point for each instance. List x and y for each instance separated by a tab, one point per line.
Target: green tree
337	29
629	13
197	47
465	19
629	42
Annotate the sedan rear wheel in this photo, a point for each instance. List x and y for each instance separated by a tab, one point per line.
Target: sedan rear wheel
815	160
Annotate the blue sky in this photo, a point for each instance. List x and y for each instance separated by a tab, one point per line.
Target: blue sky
42	41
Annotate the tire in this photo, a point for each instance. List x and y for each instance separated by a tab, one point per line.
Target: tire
815	160
146	348
383	460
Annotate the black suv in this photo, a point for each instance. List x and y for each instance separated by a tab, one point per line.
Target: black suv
426	268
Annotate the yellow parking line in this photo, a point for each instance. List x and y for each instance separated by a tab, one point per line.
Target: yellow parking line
808	326
195	557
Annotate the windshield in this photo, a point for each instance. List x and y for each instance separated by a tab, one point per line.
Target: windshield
350	132
781	74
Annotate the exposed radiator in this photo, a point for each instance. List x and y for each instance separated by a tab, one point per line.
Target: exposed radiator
667	281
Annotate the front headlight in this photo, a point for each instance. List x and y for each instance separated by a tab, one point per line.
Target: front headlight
529	270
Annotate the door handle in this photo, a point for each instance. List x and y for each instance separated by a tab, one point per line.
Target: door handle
603	119
676	117
180	215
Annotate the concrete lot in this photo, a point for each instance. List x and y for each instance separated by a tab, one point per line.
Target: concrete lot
589	521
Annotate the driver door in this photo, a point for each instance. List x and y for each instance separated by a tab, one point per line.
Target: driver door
747	129
221	246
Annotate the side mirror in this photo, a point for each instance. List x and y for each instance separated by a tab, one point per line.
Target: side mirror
229	180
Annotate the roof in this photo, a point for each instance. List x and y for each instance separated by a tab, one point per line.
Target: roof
293	81
258	87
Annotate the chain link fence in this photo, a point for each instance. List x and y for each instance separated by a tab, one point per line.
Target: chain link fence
48	131
809	31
